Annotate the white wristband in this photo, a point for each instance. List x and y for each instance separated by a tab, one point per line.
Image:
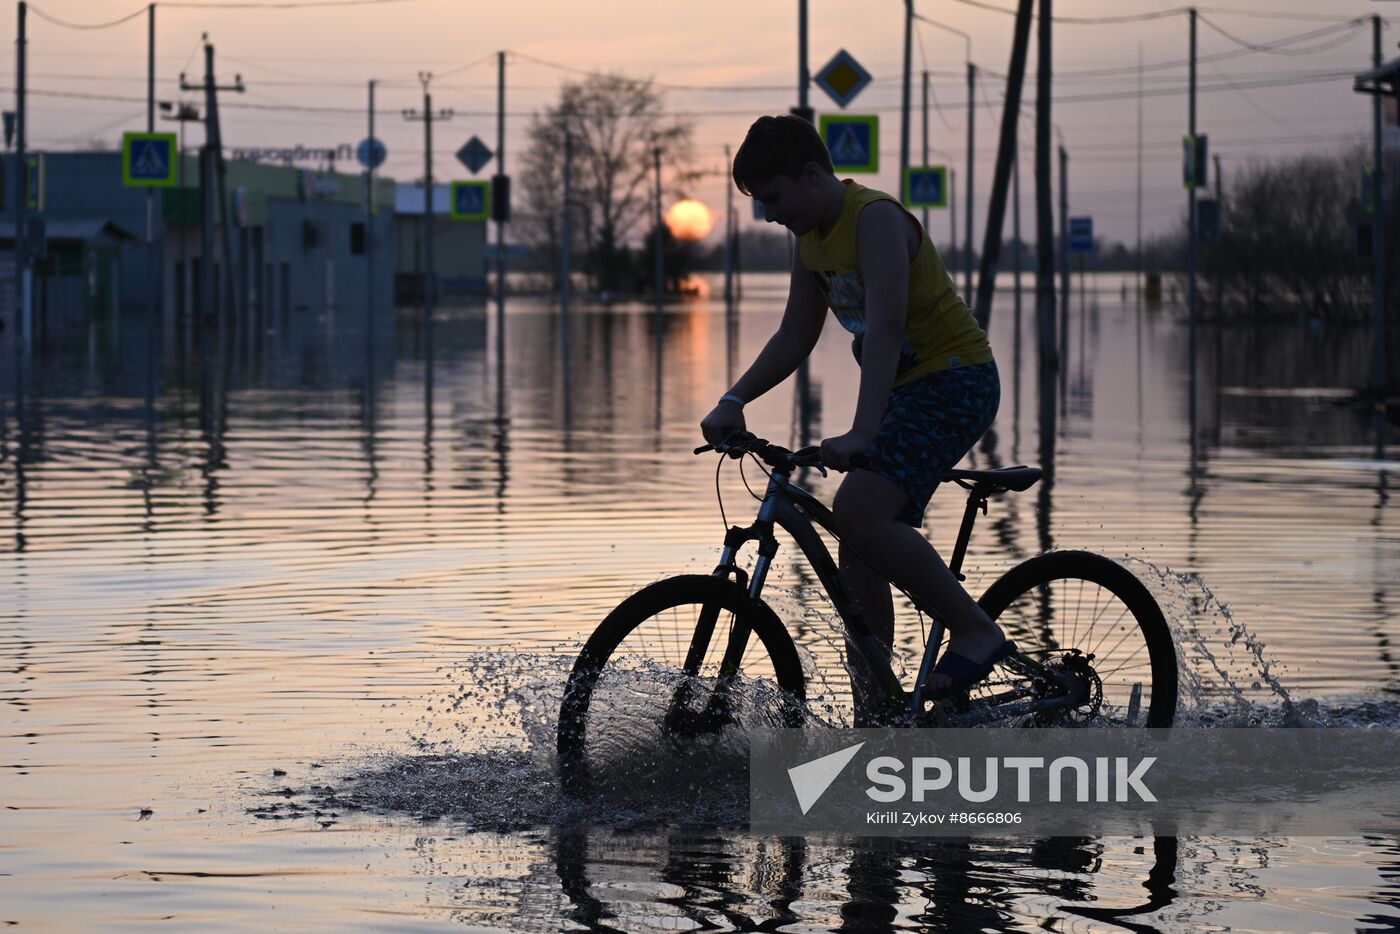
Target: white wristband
730	397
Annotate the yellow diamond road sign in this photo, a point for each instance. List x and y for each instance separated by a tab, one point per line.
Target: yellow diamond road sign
842	78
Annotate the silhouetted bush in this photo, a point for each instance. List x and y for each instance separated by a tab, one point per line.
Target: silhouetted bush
1288	242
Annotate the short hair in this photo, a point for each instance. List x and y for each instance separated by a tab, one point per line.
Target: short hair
776	146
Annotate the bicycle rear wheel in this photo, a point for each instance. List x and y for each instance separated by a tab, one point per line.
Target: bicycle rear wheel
647	694
1100	634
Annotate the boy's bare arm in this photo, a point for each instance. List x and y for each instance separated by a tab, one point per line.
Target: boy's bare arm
793	341
786	349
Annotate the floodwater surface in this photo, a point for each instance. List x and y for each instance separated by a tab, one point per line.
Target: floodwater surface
286	616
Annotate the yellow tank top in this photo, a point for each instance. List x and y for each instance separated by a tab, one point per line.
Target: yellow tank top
939	330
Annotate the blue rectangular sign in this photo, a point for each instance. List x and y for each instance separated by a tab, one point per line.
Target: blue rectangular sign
1081	235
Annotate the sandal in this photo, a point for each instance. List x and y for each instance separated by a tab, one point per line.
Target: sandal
965	672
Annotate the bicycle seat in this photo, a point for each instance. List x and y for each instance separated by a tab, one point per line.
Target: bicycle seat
1004	478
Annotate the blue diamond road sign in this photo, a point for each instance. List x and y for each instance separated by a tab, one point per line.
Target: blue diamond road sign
474	154
1081	235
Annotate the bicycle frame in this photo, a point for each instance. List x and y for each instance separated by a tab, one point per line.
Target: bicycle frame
795	510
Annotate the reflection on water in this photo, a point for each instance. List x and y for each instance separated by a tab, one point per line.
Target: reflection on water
229	557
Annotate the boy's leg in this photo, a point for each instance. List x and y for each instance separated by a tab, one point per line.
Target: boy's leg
871	593
866	507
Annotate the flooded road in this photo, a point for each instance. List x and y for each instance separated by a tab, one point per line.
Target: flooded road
286	617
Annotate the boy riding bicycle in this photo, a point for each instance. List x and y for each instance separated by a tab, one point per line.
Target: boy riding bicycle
928	385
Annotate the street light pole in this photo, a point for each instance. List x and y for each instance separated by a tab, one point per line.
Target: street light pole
429	273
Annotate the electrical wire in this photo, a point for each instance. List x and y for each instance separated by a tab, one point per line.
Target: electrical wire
85	26
665	86
1160	14
247	5
1280	46
937	108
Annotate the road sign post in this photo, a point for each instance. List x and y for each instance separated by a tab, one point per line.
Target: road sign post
371	153
148	160
854	141
842	78
471	201
1081	235
1194	161
926	186
474	154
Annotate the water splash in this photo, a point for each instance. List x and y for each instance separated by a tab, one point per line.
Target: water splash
1227	678
482	752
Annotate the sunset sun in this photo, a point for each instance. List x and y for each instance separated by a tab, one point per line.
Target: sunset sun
689	220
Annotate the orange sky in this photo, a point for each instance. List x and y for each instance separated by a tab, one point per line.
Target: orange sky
322	57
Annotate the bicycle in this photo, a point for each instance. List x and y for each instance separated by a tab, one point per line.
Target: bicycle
1079	662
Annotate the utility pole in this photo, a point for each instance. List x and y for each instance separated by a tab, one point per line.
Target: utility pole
904	122
1138	250
566	264
1064	234
953	225
1006	157
656	154
925	126
803	76
1193	232
1044	219
183	113
1379	364
952	206
427	116
156	281
214	188
502	189
21	184
971	131
729	227
1016	230
369	225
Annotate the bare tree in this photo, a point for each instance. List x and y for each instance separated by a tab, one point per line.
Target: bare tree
614	124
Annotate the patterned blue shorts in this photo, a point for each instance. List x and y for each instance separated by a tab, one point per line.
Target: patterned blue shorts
929	425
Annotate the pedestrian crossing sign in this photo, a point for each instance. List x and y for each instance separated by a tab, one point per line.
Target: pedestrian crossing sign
148	160
471	201
853	141
926	186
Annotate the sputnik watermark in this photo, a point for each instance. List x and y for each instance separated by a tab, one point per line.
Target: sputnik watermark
1125	784
958	782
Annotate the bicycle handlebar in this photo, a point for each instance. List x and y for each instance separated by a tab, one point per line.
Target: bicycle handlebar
780	458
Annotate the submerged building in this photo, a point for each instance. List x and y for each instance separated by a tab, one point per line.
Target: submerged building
294	240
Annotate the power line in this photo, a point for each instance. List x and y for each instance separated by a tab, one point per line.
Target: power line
661	85
1283	81
1279	47
1162	14
70	25
247	5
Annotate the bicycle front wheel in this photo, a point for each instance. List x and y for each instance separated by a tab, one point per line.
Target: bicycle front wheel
666	676
1096	632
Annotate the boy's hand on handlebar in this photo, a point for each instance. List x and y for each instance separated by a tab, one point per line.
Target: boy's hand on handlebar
723	420
845	452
